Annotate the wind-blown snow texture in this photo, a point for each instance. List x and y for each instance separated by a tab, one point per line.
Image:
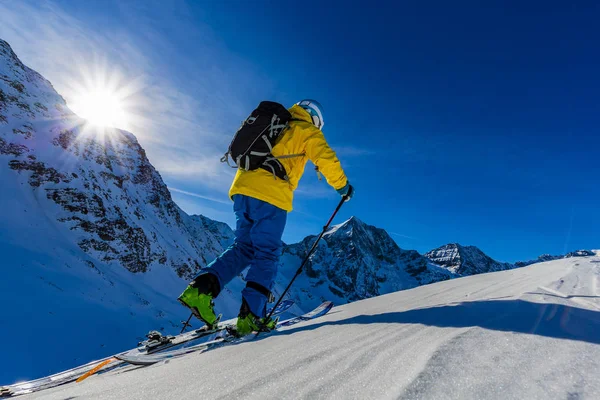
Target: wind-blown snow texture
527	333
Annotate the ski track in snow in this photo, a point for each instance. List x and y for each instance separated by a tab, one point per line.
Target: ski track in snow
497	335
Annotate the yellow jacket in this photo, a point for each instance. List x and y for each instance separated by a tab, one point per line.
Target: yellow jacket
302	137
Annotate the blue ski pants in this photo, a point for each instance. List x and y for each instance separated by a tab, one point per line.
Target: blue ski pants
259	228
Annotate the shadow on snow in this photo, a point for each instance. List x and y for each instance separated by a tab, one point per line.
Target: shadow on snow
520	316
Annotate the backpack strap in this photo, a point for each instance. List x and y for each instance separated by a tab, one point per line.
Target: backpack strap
279	172
275	167
225	158
275	126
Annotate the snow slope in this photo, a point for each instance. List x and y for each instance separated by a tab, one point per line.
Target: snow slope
531	333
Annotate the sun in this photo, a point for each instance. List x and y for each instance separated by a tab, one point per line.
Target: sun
106	97
101	107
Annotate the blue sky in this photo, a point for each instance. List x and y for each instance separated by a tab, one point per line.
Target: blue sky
455	121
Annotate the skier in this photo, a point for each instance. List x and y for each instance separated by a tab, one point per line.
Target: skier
261	203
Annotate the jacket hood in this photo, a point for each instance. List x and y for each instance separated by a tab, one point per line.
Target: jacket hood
300	113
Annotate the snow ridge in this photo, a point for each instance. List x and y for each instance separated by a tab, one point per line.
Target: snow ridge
465	260
356	261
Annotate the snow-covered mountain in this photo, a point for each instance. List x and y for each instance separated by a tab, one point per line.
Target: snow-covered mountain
548	257
355	261
470	260
464	260
98	185
91	240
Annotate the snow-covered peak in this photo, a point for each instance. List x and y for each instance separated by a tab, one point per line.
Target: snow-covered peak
98	186
464	260
346	227
12	68
581	253
356	261
549	257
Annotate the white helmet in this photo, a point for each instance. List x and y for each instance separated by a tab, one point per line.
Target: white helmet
315	110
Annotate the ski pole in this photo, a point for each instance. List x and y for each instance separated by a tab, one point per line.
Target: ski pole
186	323
299	271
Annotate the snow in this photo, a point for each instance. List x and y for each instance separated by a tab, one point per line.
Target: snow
532	332
334	228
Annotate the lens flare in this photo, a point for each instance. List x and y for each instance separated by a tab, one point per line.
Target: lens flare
101	107
105	97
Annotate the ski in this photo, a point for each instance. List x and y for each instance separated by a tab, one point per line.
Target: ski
57	379
149	359
84	371
160	343
321	310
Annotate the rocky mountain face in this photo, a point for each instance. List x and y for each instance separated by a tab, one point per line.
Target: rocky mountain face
94	249
542	258
580	253
356	261
470	260
464	260
109	196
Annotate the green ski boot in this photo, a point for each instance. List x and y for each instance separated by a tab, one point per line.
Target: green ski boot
199	298
248	322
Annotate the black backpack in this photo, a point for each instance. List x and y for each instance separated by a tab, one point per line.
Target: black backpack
253	143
